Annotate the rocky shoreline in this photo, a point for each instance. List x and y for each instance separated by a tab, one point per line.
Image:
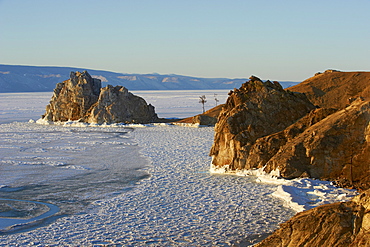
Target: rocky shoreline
317	129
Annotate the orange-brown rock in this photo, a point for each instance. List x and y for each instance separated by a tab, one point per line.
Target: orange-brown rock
255	110
118	105
335	89
331	225
73	98
82	98
208	118
335	148
265	148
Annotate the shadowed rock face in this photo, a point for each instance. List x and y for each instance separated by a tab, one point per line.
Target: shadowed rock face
82	98
337	224
335	148
255	110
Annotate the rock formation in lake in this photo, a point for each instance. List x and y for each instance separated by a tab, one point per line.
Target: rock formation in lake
82	98
73	98
337	224
255	110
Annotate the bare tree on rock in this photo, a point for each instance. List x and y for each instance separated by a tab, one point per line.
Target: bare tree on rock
202	101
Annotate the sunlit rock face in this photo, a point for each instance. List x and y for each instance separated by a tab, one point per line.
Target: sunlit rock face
117	105
256	110
263	126
334	88
82	98
73	98
336	224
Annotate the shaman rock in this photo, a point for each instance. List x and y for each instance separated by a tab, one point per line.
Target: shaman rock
82	98
73	98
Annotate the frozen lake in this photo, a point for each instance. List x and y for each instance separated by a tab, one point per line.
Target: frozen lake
151	186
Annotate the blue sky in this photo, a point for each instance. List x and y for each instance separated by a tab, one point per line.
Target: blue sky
277	40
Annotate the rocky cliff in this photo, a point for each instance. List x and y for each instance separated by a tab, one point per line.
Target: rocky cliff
337	224
263	126
82	98
256	110
334	88
334	148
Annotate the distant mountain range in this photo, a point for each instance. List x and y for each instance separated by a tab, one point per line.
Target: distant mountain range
19	78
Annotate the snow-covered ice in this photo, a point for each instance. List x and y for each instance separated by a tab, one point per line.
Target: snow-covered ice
130	186
298	194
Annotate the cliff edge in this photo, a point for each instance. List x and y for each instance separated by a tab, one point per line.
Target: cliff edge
283	133
335	89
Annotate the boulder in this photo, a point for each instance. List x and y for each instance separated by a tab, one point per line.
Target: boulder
337	224
208	118
255	110
82	98
204	120
118	105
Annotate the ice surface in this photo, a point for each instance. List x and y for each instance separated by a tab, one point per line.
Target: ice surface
181	104
181	203
22	106
148	186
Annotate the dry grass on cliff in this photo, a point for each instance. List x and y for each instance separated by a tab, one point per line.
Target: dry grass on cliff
334	88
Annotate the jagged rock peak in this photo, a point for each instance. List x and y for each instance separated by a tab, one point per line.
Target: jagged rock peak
254	110
73	98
